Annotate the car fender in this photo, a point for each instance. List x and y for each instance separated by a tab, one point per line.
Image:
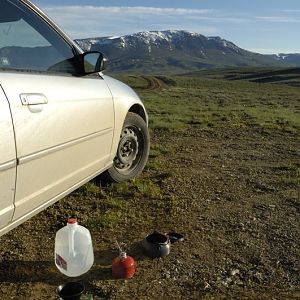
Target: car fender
125	99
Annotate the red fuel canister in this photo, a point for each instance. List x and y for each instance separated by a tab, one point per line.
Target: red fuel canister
123	266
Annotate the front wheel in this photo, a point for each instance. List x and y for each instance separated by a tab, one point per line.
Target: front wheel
133	150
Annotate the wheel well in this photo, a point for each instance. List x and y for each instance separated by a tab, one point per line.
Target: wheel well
138	109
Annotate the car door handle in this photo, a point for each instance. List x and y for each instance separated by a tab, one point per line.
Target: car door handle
33	99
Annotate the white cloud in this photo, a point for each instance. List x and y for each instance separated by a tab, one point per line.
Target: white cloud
279	19
127	10
290	10
273	51
91	21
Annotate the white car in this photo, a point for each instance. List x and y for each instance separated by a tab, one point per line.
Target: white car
62	122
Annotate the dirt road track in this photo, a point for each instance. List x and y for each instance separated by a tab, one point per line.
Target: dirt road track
152	83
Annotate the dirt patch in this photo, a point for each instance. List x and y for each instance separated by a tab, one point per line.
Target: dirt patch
152	83
231	193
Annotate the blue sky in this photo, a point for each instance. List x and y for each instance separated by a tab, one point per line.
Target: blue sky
265	26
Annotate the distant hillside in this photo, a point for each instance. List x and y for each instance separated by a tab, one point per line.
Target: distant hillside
283	76
179	51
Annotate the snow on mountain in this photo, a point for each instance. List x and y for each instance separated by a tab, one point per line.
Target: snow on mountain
145	37
291	58
167	38
281	56
178	50
223	42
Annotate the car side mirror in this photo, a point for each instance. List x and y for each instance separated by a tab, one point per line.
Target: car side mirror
93	62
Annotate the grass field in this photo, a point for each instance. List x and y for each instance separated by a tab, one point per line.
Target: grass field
206	101
216	101
224	170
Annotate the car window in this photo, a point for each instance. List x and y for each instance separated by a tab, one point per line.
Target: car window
28	43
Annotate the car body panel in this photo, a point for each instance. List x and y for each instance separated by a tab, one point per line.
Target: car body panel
124	99
11	225
7	162
58	131
52	142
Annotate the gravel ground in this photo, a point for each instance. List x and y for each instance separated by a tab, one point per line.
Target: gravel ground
231	192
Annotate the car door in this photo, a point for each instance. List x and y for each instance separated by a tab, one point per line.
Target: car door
63	122
7	163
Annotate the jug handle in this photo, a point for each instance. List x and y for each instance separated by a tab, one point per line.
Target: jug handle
71	242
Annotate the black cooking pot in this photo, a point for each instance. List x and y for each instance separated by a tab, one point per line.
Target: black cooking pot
70	291
156	245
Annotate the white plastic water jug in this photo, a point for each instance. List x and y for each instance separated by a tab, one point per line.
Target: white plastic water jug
74	253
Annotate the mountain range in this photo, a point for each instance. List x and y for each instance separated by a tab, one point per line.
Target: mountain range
178	51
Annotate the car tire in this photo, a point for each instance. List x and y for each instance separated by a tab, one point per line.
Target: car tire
133	150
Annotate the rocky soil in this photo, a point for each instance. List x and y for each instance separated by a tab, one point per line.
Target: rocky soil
232	193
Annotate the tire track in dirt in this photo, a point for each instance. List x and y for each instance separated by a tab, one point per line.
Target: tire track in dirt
152	83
